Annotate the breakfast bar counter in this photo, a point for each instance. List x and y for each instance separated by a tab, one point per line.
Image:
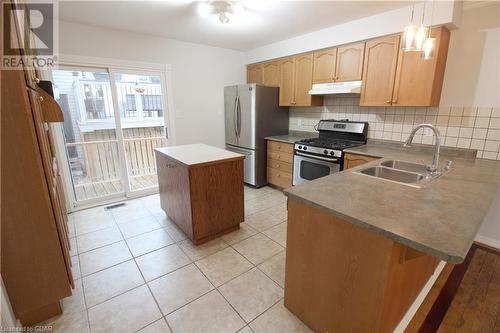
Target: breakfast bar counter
360	249
201	189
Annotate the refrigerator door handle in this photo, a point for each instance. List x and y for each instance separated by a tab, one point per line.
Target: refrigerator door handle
238	113
235	120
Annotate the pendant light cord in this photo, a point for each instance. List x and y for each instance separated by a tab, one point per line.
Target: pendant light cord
412	12
432	17
423	12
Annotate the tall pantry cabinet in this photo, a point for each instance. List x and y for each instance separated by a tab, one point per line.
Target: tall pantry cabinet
35	260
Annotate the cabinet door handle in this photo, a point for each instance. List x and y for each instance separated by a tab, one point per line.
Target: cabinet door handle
40	98
387	102
394	102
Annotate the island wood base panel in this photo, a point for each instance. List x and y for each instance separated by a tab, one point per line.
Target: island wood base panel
203	201
38	315
344	278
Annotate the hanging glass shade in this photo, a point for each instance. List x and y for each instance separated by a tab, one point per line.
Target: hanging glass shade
420	37
407	42
428	48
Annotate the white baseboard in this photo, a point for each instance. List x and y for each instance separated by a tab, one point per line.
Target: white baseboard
488	241
420	298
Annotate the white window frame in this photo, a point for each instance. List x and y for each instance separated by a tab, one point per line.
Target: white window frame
114	66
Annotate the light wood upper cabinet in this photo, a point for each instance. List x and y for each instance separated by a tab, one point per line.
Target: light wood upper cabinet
390	77
350	62
379	71
303	80
254	73
418	81
271	73
340	64
324	66
296	81
287	82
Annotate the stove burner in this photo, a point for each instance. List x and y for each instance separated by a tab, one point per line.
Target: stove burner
330	143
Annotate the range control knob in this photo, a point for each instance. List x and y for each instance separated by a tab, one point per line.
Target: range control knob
325	152
332	153
305	148
300	147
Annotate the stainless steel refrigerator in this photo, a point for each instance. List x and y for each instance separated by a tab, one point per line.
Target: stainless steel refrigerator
252	112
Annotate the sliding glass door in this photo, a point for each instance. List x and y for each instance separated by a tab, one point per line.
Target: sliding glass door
113	122
140	104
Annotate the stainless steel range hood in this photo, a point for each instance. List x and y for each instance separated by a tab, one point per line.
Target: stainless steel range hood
349	87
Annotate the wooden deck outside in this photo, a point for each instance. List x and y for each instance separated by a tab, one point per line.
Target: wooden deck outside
104	188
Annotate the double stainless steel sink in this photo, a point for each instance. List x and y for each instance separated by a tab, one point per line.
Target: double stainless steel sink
406	173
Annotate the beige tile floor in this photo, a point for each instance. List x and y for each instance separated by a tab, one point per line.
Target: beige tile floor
135	271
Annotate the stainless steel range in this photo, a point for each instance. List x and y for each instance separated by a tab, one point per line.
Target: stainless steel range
318	157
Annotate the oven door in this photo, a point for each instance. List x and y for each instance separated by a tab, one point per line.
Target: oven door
307	168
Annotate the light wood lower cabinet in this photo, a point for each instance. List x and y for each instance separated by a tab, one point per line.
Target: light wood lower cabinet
279	164
353	160
345	278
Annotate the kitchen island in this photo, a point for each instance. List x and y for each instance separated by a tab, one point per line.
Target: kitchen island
201	189
360	249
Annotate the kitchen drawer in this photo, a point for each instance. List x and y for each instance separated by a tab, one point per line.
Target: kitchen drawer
279	165
279	178
353	160
280	156
280	146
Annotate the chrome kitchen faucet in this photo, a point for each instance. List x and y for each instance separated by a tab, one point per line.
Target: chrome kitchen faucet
432	168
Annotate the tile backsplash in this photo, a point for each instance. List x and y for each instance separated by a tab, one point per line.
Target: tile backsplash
463	127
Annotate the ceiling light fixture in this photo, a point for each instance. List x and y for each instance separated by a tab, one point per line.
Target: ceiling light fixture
224	9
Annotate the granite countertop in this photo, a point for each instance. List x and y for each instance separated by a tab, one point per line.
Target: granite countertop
440	219
292	136
198	154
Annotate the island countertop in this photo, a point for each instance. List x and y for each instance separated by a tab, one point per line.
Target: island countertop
195	155
440	219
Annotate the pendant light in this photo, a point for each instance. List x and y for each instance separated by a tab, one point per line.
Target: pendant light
409	33
421	33
413	36
430	42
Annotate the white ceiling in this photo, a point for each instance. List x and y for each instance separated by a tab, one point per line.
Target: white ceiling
263	22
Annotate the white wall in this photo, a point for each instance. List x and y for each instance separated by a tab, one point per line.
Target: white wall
472	76
390	22
199	73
